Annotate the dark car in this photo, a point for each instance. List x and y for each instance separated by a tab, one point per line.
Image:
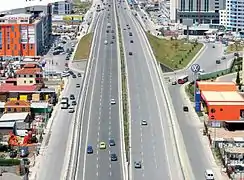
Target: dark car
130	33
24	152
113	37
89	150
72	97
111	142
130	53
113	157
236	54
74	76
137	164
218	62
131	41
112	31
185	109
79	74
107	31
73	103
13	154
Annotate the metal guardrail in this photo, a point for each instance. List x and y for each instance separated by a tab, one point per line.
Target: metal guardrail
72	172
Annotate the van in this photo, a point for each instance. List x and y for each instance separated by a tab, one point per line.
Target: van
209	174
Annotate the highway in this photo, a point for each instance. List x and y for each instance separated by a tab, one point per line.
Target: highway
151	144
101	120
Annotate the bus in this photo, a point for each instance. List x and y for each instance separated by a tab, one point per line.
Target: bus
183	79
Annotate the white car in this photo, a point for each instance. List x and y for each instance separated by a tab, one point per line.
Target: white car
112	101
143	122
105	42
71	109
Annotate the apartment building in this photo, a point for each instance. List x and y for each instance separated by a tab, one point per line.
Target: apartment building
235	15
25	32
223	17
201	11
62	7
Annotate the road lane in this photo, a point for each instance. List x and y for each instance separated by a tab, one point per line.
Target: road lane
151	144
102	117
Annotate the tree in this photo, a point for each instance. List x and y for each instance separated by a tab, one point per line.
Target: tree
238	78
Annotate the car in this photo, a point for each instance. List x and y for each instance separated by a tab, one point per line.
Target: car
218	61
137	164
223	58
105	42
112	31
73	103
67	58
130	53
130	33
77	85
209	175
102	145
213	46
143	122
79	74
113	157
236	54
13	154
111	42
113	37
124	29
185	109
112	101
111	142
128	27
71	109
89	149
72	97
107	31
131	41
74	76
174	82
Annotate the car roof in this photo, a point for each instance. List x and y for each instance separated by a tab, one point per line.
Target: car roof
209	171
89	146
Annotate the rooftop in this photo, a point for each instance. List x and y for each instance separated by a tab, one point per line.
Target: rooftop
28	70
221	133
13	4
17	15
227	96
19	103
235	150
6	87
14	116
216	86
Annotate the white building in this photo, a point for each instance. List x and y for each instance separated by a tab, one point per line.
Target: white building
62	7
223	17
235	15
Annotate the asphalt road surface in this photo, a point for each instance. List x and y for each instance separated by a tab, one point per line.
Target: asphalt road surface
151	144
101	119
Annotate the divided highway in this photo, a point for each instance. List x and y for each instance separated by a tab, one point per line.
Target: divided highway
152	144
101	120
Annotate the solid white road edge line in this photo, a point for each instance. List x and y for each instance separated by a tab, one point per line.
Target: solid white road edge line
184	159
120	100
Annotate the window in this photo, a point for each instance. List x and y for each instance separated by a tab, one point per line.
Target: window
15	110
15	46
9	109
31	75
25	82
23	109
12	27
31	46
24	75
24	46
31	82
8	46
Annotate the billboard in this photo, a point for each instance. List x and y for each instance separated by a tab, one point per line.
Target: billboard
73	18
24	34
31	34
198	101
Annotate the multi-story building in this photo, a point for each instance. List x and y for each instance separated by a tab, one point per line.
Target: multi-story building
223	17
62	7
201	11
25	32
235	15
30	74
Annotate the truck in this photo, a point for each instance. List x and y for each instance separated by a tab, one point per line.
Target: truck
65	103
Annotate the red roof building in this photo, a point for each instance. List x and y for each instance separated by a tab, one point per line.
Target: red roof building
7	87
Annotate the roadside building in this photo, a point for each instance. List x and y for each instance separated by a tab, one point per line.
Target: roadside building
13	106
221	101
62	7
223	17
25	33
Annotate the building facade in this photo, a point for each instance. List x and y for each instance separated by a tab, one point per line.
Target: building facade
62	7
223	17
235	15
25	32
201	11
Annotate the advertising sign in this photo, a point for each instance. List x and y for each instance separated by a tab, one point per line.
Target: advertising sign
24	34
198	101
31	34
73	18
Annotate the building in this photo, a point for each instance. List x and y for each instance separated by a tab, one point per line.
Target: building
62	7
18	106
235	15
201	11
221	101
30	74
25	32
223	17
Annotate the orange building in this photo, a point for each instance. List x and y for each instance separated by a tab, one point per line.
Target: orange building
222	101
22	35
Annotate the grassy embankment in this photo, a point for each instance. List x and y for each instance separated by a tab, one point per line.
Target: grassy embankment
84	47
175	54
81	7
